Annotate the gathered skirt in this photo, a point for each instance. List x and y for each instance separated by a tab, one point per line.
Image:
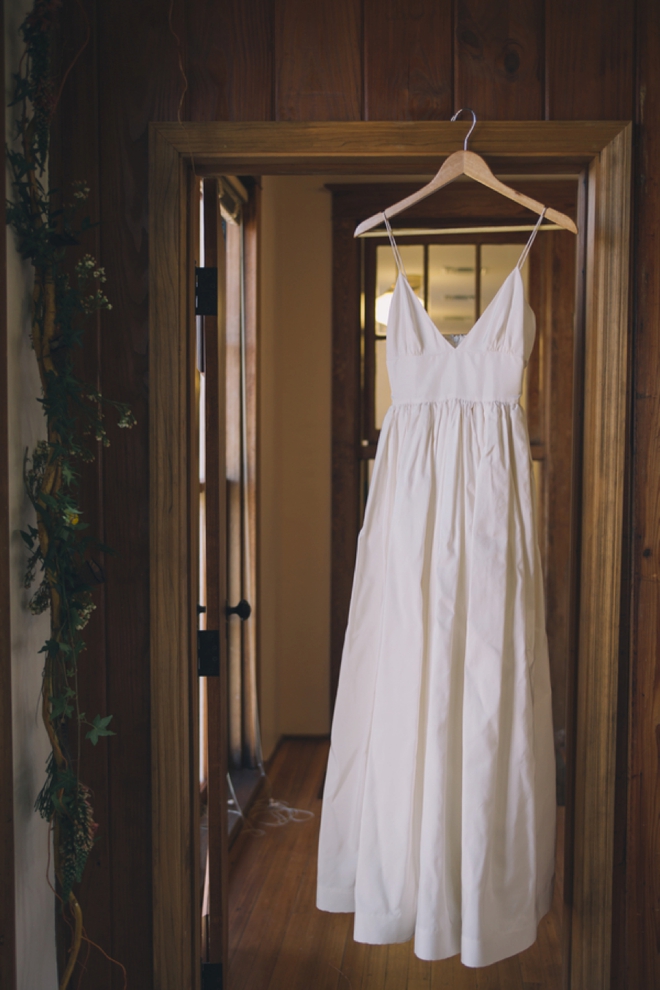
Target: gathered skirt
438	817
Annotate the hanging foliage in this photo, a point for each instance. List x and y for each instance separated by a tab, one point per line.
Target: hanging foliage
59	544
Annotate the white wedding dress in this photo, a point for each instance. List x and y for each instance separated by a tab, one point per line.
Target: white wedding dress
438	816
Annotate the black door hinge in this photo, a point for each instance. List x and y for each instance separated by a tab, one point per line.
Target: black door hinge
206	292
208	653
212	976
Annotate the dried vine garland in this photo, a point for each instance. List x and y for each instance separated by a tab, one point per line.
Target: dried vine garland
59	543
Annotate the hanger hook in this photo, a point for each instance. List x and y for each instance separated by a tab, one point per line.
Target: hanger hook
474	123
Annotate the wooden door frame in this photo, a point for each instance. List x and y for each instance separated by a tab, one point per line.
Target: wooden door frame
604	150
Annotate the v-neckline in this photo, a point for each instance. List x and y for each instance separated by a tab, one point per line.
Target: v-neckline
454	347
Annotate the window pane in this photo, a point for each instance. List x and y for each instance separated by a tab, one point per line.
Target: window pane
498	261
452	287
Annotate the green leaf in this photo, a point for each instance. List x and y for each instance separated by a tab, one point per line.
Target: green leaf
99	728
67	473
60	706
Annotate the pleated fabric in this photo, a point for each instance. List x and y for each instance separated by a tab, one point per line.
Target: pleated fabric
438	817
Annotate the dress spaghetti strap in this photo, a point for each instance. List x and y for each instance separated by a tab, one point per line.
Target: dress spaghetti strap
397	256
525	251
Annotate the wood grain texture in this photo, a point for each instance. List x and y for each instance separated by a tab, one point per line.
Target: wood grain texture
74	153
318	60
252	695
377	147
188	328
216	585
7	902
408	72
345	433
233	472
641	948
558	260
589	60
171	759
229	60
574	587
606	358
138	80
498	58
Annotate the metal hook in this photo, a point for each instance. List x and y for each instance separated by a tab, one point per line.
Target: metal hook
474	124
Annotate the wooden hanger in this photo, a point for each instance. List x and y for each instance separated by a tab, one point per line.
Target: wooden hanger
466	163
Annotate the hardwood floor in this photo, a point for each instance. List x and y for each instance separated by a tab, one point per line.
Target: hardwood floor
279	941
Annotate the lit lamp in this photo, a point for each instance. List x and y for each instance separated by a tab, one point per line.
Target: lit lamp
384	301
383	304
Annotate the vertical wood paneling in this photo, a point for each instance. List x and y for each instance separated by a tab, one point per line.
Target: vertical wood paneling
7	903
408	69
230	60
216	584
498	60
138	81
170	626
318	60
345	431
603	461
559	282
643	866
589	58
232	53
74	155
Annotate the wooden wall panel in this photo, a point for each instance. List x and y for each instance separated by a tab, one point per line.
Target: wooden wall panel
74	155
345	432
138	81
559	281
498	60
642	947
408	67
294	60
318	60
229	60
589	59
7	902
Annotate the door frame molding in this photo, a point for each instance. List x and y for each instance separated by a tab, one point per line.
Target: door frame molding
603	149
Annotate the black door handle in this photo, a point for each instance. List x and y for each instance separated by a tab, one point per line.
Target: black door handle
243	610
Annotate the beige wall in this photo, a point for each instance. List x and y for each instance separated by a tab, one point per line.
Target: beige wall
294	463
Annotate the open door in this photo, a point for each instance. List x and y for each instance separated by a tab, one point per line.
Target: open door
229	742
212	588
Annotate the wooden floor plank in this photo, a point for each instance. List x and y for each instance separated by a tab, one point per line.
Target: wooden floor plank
353	961
313	944
488	978
419	974
375	968
249	864
398	962
451	974
256	950
508	972
280	941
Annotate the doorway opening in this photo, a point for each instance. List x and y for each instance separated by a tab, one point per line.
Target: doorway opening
395	147
455	270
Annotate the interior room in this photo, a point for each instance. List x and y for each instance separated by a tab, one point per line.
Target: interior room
456	265
329	428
